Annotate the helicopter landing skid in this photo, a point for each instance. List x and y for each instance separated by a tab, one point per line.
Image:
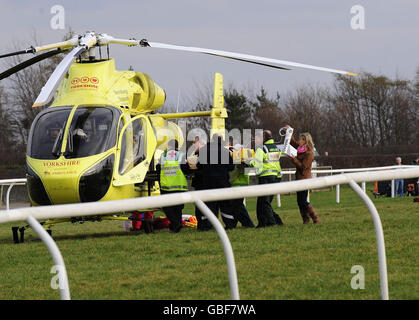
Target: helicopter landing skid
19	232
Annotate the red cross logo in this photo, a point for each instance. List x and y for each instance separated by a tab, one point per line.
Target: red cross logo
172	153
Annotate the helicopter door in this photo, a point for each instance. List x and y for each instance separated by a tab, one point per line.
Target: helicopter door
136	146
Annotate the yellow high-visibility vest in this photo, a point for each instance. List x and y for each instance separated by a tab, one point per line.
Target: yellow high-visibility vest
171	176
266	160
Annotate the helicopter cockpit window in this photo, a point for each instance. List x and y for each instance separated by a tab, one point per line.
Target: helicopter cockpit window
47	133
90	132
134	146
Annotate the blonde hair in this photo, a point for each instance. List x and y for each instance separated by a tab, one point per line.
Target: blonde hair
308	139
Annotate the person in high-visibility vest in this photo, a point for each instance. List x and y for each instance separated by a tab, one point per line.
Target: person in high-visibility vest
239	178
172	167
268	168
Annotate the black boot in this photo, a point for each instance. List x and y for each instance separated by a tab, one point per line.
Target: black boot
304	215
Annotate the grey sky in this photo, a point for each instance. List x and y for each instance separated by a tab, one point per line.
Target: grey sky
312	32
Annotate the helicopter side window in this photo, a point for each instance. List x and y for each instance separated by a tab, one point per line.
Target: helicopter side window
138	143
133	146
46	135
90	132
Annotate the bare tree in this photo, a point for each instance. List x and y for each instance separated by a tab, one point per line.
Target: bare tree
371	110
305	111
4	134
267	113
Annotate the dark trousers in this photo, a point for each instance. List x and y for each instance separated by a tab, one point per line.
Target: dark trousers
302	199
174	214
241	214
202	224
225	207
264	212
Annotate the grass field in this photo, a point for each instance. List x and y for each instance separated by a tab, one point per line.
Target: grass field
294	261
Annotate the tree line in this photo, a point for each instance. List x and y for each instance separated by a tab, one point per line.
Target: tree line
356	122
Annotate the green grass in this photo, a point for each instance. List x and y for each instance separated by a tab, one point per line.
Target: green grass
291	262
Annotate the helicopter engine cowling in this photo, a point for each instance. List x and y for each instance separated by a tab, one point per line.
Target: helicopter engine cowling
149	96
98	82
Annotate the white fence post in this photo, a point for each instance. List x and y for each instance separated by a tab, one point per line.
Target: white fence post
8	196
338	193
278	200
392	188
379	235
10	183
228	250
56	256
1	196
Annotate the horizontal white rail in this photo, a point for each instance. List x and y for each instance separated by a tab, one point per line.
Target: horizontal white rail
314	170
107	207
10	181
22	181
350	170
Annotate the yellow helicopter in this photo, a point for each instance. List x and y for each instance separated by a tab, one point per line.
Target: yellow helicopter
100	139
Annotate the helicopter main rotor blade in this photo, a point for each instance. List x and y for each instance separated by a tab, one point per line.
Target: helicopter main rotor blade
242	57
59	45
54	80
30	50
248	61
29	62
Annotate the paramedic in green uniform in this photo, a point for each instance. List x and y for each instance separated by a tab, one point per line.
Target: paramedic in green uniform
268	168
172	167
239	178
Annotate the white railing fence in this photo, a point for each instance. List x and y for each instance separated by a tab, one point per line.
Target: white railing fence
22	181
11	183
351	170
199	197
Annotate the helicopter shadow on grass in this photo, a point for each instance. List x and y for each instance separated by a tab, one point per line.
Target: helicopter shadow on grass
32	237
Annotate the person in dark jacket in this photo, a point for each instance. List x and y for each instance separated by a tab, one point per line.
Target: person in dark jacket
197	179
303	161
215	163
